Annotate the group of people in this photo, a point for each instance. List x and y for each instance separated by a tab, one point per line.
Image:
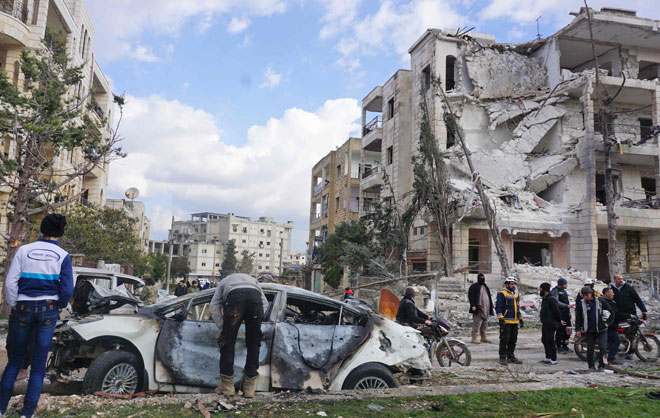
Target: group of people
184	288
596	317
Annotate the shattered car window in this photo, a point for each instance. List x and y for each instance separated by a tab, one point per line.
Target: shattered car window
104	282
305	311
200	310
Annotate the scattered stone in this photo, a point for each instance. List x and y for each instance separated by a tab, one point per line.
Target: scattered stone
375	407
225	406
322	414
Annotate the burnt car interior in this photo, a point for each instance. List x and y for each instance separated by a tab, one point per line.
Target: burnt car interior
198	309
305	311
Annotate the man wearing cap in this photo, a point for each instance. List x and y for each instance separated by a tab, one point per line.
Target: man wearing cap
550	320
481	306
39	283
560	293
507	308
592	318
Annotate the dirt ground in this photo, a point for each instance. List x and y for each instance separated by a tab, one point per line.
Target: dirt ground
483	375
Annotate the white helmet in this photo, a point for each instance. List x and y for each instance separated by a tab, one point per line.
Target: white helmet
510	279
589	282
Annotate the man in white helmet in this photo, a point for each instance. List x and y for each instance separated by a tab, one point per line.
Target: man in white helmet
507	309
587	283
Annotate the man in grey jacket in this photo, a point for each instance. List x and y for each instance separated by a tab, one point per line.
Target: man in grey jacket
238	299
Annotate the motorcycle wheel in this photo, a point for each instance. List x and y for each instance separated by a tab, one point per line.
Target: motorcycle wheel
463	356
647	347
580	348
625	345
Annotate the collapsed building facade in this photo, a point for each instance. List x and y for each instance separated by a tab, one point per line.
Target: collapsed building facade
529	116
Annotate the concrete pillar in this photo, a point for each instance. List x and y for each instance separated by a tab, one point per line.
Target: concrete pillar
460	242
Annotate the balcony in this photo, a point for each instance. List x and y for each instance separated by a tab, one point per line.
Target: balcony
372	134
13	21
635	217
371	179
319	188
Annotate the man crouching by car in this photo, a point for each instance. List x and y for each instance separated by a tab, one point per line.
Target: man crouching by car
238	298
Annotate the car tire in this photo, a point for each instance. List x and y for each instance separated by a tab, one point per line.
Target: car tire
117	372
370	376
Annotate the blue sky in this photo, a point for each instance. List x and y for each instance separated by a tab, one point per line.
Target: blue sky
231	102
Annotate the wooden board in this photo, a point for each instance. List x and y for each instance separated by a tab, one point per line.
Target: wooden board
388	304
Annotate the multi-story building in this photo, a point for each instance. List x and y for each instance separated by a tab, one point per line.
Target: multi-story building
204	259
529	114
136	210
297	258
335	192
269	241
23	24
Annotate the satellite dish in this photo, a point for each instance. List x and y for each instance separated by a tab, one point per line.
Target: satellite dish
132	193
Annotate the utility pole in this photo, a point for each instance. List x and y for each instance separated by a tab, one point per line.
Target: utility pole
169	258
281	250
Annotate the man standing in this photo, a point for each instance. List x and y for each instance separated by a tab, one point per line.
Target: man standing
194	288
590	283
560	293
550	320
613	341
180	289
507	307
481	306
626	297
39	283
592	318
238	299
408	314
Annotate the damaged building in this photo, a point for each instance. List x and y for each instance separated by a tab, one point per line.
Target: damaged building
529	114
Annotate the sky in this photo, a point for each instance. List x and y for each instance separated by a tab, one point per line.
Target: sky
230	103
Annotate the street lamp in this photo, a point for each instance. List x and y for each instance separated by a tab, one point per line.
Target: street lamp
281	249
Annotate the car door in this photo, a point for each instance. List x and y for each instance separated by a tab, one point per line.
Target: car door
312	340
187	351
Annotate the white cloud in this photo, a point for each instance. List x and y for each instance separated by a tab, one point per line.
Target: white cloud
144	54
393	27
339	14
238	25
271	78
119	24
245	42
176	152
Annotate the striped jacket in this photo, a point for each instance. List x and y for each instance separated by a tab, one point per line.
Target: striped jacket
40	270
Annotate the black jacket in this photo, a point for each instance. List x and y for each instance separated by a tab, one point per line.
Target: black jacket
619	316
562	297
626	298
581	322
408	314
473	298
550	313
180	290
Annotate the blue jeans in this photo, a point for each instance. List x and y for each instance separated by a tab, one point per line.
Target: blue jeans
31	316
613	342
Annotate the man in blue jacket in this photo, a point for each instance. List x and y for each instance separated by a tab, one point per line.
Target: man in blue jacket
507	309
39	283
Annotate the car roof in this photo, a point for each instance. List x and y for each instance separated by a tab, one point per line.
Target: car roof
108	273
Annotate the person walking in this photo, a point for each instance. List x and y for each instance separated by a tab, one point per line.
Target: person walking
551	320
507	307
613	340
560	292
481	307
39	283
237	299
592	318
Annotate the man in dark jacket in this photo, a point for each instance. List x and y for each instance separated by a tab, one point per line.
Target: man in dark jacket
626	297
507	307
560	293
481	306
551	319
593	317
408	314
180	289
613	341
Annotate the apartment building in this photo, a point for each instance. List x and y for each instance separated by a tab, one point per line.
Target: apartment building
269	241
335	192
23	24
204	259
529	115
136	210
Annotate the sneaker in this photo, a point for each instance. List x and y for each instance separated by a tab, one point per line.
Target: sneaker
514	360
552	363
545	361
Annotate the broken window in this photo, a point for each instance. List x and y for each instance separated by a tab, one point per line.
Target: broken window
426	77
390	108
451	140
419	267
645	125
390	155
450	68
533	253
600	187
300	310
648	184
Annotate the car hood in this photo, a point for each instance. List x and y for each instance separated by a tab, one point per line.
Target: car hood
89	299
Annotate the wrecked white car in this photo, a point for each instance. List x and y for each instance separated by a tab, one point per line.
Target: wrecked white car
309	341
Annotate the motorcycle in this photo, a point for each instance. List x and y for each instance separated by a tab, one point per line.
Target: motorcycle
645	344
445	350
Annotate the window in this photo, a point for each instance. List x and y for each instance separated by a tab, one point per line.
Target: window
451	140
426	77
267	267
645	129
267	242
203	264
217	264
261	231
234	228
450	72
203	251
259	267
261	243
390	108
338	170
261	255
243	241
268	233
217	251
534	253
600	186
337	204
648	184
245	230
390	155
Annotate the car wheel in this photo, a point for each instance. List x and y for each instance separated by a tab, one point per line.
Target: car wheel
117	371
370	376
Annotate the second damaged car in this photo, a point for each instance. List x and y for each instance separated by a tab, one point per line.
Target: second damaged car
309	341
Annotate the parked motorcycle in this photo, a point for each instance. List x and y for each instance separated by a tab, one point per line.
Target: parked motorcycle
645	344
445	350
